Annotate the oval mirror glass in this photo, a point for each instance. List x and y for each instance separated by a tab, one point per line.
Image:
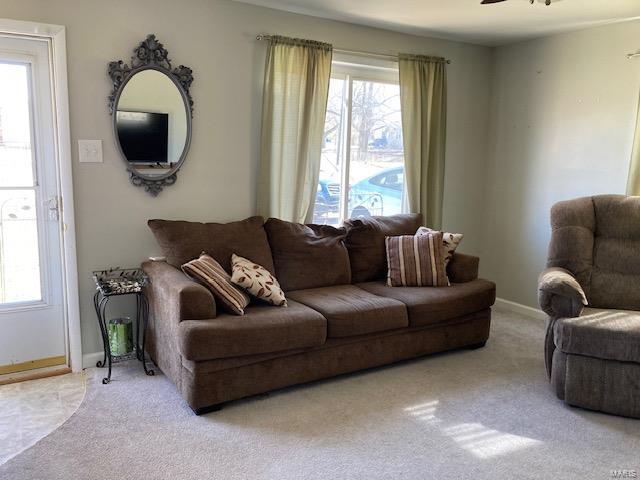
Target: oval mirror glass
151	124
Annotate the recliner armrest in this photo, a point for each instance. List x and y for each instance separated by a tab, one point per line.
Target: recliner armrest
175	295
559	293
463	268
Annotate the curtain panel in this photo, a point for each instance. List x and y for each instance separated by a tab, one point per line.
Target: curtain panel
423	100
296	88
633	180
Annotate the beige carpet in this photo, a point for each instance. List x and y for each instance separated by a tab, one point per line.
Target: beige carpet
483	414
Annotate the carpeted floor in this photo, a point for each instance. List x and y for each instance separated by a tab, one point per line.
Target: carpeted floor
483	414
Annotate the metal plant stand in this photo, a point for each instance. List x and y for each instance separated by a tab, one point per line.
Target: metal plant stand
117	282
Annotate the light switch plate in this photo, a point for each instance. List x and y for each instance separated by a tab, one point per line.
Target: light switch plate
90	151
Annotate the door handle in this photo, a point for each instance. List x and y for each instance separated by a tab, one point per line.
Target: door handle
53	205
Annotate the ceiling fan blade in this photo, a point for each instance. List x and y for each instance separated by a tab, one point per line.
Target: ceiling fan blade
487	2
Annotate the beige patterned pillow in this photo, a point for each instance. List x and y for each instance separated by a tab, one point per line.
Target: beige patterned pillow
257	281
450	242
209	273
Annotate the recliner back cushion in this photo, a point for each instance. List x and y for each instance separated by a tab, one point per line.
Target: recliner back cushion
573	225
182	241
308	256
615	277
598	240
365	242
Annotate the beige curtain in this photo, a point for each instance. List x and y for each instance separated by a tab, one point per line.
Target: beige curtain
633	180
423	99
296	87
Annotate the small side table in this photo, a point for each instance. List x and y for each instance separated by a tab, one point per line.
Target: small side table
116	282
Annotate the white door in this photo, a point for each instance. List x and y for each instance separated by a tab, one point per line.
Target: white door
32	324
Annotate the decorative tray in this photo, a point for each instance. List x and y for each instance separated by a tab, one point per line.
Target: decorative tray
119	281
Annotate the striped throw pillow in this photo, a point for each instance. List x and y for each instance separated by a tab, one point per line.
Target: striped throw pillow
416	261
209	273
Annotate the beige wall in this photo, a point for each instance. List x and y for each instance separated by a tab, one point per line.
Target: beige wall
216	39
563	115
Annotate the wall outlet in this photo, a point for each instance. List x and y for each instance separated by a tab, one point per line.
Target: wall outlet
90	151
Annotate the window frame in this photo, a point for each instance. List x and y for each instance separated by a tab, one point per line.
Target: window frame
350	68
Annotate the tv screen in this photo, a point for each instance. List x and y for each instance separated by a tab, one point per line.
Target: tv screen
143	136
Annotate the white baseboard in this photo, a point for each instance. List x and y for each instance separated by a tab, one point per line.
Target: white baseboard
90	359
521	309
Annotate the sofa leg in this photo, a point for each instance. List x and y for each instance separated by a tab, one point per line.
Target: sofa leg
476	346
209	409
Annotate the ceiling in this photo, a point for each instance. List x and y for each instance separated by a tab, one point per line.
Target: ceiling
467	20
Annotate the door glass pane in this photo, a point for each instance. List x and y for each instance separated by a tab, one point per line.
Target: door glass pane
376	169
16	165
327	207
19	258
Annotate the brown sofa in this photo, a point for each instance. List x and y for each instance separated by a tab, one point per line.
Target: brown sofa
591	292
341	316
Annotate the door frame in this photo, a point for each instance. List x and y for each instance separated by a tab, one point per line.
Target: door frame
55	35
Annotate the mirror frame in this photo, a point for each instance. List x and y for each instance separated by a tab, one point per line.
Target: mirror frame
150	54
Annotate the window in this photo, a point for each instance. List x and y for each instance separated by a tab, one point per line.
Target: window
362	166
20	279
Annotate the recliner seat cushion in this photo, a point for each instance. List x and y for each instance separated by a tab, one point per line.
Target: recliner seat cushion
262	329
308	256
182	241
430	305
351	311
606	334
365	243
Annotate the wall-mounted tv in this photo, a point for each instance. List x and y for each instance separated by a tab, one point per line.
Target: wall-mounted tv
143	136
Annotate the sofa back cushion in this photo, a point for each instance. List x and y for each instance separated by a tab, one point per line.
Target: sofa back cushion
182	241
308	256
598	240
365	243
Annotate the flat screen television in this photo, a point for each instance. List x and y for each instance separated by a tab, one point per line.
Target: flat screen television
143	136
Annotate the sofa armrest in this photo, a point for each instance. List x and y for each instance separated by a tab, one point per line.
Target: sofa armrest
173	294
463	268
559	293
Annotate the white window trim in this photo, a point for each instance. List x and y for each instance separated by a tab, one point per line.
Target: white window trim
56	35
354	67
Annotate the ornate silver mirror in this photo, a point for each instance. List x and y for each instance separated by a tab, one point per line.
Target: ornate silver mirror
152	111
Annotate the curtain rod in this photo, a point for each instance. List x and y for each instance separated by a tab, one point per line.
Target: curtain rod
382	56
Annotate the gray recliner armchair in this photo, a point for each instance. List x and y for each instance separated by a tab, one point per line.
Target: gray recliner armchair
591	292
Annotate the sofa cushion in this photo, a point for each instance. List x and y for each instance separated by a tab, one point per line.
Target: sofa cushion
462	268
606	334
365	243
182	241
262	329
308	256
351	311
429	305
